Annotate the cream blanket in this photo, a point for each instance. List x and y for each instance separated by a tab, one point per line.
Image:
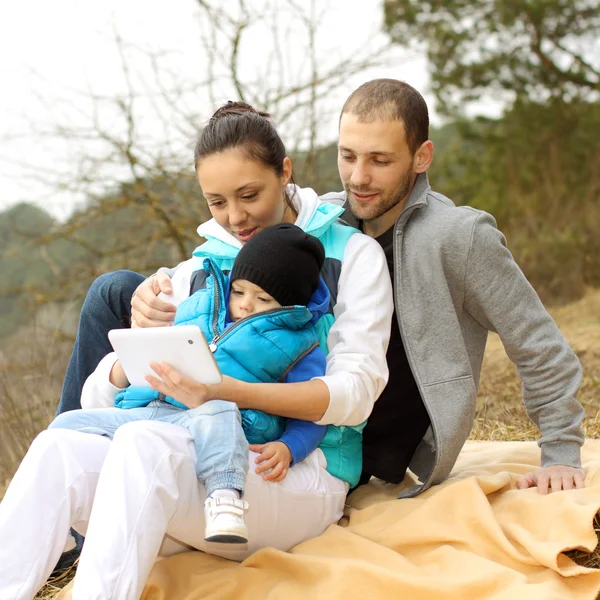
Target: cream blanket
475	536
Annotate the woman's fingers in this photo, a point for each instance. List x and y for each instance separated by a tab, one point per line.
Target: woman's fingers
144	316
170	375
158	385
146	308
173	378
174	384
162	282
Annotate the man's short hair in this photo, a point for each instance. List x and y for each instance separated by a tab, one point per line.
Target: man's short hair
391	100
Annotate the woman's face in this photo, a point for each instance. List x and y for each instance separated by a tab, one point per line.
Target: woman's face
244	195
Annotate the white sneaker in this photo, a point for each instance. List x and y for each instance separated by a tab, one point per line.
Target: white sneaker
225	520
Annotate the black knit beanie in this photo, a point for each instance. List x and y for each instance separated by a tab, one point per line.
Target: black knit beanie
284	261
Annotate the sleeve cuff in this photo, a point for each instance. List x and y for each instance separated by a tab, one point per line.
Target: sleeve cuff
561	453
337	411
296	447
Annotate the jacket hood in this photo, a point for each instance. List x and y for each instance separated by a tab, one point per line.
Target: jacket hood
314	217
319	302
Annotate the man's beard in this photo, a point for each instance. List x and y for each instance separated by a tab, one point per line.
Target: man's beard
370	211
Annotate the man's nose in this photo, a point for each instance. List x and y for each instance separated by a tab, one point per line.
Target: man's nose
360	175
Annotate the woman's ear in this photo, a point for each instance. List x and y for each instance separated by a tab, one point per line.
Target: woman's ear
286	173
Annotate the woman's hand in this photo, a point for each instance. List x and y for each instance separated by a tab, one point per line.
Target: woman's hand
146	309
174	384
275	456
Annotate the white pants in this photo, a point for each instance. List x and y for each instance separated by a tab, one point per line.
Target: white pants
126	495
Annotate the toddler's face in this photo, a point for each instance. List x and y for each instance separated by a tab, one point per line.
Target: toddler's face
247	299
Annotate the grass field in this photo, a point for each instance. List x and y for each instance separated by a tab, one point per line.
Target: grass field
500	411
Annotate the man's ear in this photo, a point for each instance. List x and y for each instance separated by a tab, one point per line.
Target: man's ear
423	157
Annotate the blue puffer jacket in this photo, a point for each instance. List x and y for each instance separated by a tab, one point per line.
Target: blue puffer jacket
280	338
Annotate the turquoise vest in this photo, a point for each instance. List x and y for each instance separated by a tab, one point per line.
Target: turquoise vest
279	338
342	445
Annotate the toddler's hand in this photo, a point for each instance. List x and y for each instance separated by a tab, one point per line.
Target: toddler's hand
275	457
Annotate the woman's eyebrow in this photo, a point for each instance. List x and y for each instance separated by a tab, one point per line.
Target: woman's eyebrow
240	189
243	187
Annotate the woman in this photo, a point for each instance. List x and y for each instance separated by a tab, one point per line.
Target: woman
138	496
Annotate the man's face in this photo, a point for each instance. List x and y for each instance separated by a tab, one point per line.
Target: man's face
375	164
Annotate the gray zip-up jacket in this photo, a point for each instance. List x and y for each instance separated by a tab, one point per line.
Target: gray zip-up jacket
455	280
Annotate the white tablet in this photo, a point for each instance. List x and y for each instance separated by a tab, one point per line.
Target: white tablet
184	347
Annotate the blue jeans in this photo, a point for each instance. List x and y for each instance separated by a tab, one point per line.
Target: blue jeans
107	306
216	426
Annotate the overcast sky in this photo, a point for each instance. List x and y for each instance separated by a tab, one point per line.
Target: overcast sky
52	52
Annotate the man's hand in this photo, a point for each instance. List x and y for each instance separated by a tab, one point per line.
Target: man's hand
275	456
174	384
552	479
146	309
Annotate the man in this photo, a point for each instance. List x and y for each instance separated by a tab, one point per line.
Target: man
454	280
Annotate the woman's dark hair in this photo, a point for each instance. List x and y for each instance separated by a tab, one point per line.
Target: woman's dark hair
239	125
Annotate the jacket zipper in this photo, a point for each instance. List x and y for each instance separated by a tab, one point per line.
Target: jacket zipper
305	353
217	303
218	336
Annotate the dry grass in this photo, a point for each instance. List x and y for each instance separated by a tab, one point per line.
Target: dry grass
500	412
32	367
591	560
56	583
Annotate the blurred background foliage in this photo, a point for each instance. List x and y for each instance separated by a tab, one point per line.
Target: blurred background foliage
537	167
